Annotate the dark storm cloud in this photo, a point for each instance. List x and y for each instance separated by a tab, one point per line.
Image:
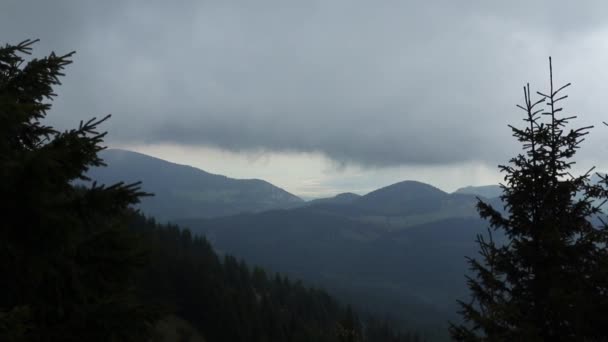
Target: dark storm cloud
368	82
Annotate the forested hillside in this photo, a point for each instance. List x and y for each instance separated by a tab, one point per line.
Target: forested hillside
415	274
226	300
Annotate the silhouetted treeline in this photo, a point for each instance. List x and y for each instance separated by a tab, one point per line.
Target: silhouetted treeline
67	258
228	301
549	280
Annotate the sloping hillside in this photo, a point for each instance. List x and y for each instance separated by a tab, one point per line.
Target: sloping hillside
184	191
415	274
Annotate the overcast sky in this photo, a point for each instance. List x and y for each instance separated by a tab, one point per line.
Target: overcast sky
322	96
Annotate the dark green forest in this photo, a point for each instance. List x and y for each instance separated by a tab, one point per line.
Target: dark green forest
229	301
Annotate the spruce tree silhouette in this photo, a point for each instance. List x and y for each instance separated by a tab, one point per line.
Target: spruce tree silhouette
549	280
66	255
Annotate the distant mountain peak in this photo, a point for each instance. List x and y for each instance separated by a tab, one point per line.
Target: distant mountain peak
342	198
407	196
184	191
347	195
119	155
406	187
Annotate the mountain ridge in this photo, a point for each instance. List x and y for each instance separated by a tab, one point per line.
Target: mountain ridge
487	191
184	191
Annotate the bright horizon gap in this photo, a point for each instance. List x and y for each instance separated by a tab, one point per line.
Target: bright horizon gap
312	175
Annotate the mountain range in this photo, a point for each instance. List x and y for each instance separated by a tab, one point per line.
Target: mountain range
182	191
398	250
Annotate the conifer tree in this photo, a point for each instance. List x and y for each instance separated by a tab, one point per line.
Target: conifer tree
349	328
546	277
66	257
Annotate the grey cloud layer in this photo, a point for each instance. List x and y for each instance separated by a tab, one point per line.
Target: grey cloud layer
368	82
